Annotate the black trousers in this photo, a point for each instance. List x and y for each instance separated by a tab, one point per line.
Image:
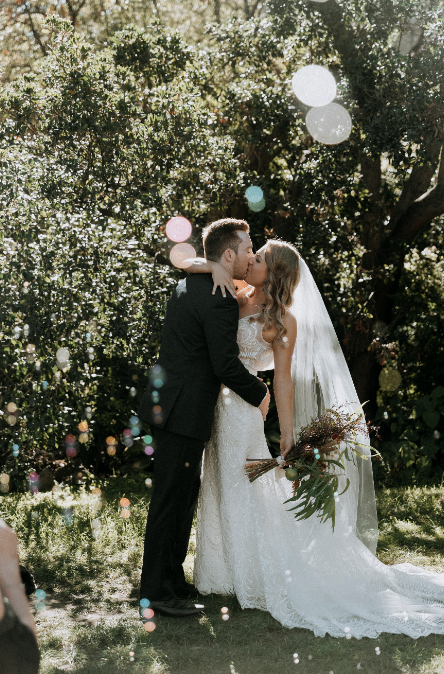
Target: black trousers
176	487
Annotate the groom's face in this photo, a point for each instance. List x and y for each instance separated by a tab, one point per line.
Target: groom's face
244	256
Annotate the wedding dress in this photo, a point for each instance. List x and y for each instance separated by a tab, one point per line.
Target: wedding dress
301	572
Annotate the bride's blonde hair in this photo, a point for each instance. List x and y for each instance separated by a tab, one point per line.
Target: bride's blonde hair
283	277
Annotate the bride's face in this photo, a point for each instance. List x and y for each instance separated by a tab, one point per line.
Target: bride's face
258	269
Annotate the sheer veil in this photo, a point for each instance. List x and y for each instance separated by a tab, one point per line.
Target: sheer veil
321	379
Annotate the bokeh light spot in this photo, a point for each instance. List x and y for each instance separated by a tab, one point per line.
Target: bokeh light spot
390	379
149	482
126	514
149	450
83	426
180	253
314	85
11	407
254	194
149	626
148	613
178	229
71	451
144	602
40	594
224	609
256	207
124	502
330	124
111	450
147	439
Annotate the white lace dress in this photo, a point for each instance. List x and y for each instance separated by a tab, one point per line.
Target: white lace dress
249	544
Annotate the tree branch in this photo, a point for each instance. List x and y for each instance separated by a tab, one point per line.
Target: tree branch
371	174
35	33
421	213
417	183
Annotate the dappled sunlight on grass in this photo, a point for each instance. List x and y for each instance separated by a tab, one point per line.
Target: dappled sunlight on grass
91	623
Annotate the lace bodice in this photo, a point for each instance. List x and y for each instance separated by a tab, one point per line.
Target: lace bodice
255	353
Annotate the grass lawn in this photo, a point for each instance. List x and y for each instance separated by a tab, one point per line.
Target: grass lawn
90	620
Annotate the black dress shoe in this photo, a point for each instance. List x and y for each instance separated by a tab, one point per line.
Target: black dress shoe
185	590
176	608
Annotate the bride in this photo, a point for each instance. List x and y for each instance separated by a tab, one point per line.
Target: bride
248	542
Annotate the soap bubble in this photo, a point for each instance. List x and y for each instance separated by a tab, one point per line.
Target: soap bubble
178	229
390	379
180	253
254	194
330	124
256	207
314	85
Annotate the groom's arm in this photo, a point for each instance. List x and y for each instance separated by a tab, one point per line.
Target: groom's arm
221	323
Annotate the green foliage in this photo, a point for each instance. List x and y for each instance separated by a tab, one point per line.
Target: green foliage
414	450
93	164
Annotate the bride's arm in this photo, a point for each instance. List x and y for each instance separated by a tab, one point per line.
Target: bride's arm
221	277
283	385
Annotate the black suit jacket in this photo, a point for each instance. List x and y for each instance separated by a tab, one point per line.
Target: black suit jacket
199	351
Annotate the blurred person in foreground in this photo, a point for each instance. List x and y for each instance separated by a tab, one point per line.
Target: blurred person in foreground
19	653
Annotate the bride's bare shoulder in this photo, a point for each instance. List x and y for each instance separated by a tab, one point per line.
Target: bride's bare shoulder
290	322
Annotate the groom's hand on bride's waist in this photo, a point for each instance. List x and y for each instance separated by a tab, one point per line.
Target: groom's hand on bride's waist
265	404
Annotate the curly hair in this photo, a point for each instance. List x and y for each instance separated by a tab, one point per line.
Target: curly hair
283	277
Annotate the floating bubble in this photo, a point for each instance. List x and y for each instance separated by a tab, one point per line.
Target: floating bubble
110	440
148	613
390	379
330	124
128	442
15	447
149	482
96	491
227	401
225	391
256	207
144	602
180	253
33	477
111	450
40	594
62	354
348	636
178	229
314	85
83	438
346	629
83	426
149	626
149	450
134	421
224	609
11	407
147	439
71	451
70	439
4	478
158	383
131	653
254	194
225	617
124	502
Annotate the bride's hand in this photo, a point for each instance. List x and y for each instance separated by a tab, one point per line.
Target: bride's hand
287	442
222	279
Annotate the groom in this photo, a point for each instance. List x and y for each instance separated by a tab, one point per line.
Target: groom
199	352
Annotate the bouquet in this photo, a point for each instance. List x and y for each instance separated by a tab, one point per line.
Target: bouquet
315	484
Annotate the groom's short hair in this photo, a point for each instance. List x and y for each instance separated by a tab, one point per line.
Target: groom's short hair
222	234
